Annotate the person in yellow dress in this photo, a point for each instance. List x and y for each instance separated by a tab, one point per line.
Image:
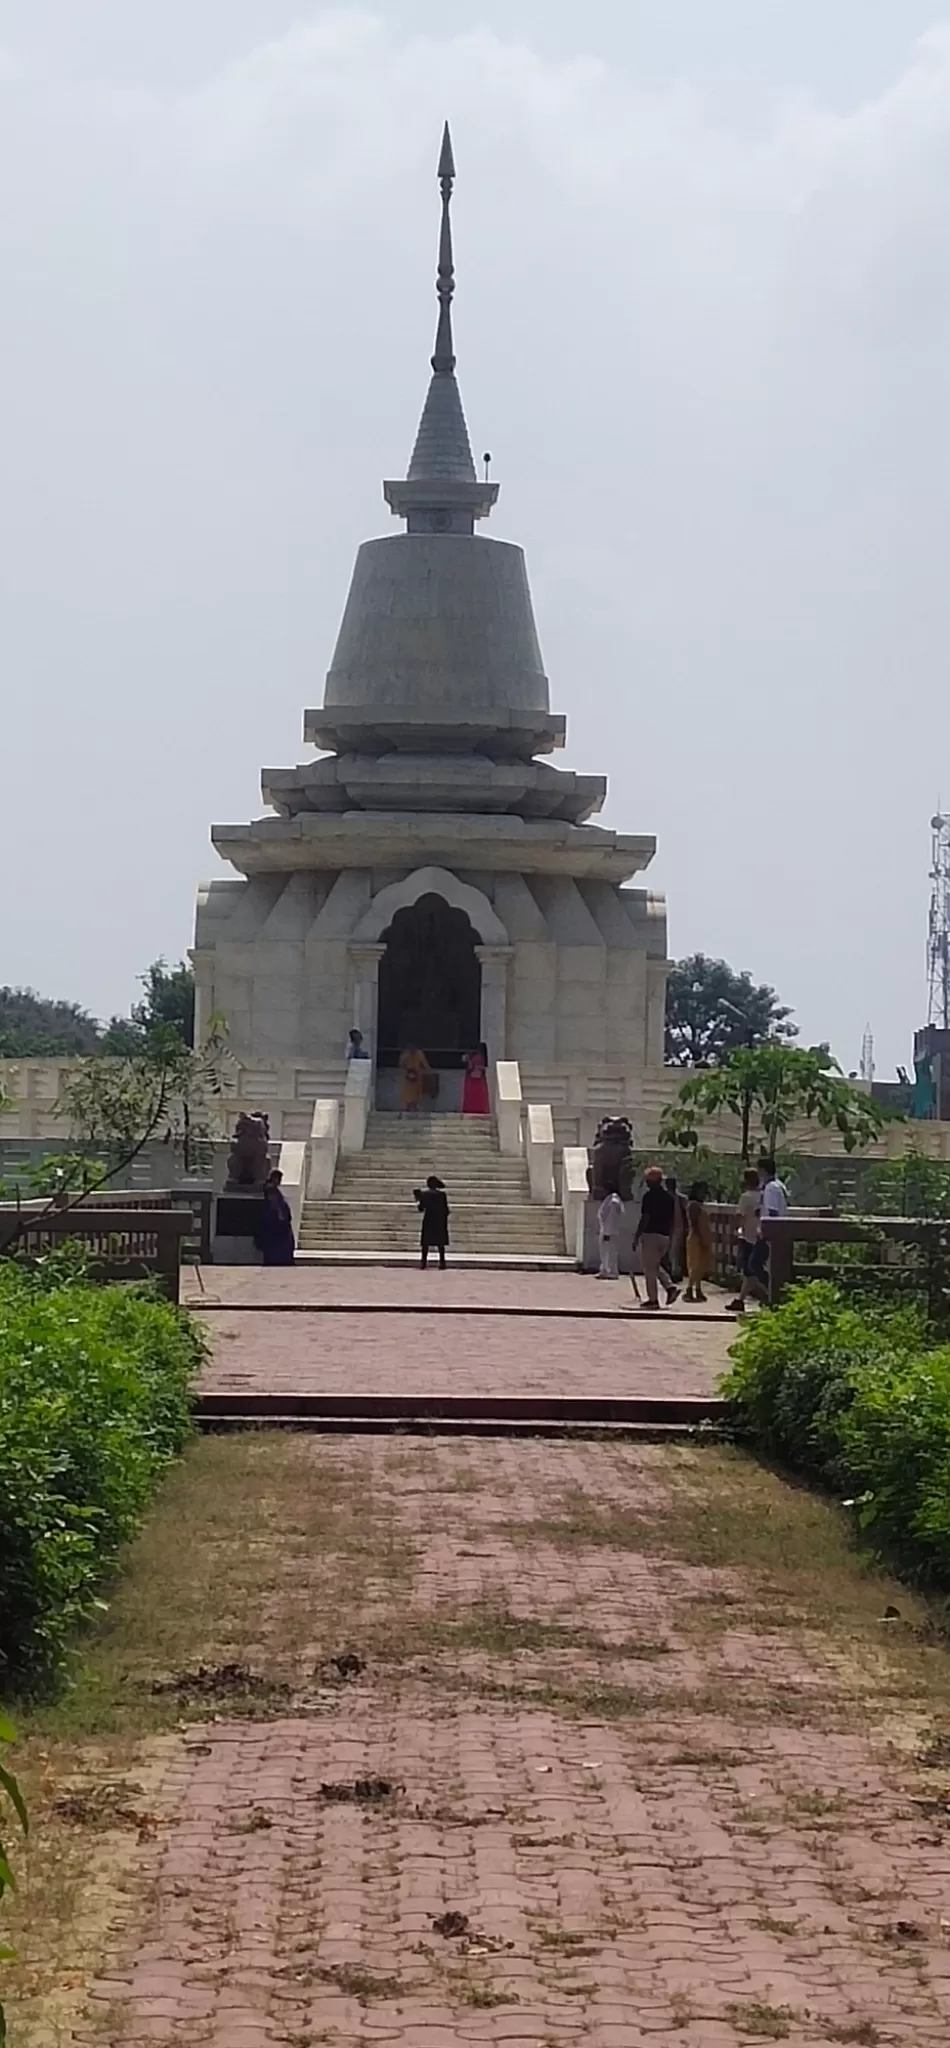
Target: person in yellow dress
413	1066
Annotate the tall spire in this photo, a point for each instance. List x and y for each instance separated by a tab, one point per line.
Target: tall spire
442	493
444	357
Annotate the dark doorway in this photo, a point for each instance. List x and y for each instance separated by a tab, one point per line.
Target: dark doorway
430	984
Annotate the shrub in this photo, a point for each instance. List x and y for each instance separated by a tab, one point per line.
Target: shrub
861	1400
94	1402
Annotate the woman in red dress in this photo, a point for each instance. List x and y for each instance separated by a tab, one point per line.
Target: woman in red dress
475	1097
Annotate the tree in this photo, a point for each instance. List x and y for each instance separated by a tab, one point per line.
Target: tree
766	1087
169	1000
710	1010
35	1027
118	1103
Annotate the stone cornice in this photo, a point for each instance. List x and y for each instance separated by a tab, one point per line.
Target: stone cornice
365	839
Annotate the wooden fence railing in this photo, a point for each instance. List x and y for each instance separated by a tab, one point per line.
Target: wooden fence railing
120	1243
723	1218
888	1233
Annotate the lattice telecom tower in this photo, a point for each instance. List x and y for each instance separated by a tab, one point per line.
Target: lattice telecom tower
938	943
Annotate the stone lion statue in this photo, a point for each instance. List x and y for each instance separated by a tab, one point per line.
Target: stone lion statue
613	1169
248	1160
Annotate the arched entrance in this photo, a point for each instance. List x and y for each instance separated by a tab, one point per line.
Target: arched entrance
430	984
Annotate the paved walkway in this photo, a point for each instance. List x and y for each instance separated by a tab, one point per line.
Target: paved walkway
657	1815
558	1337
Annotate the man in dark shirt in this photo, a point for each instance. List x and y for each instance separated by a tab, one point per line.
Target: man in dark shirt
654	1230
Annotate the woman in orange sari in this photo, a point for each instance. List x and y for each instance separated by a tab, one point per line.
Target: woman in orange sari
413	1067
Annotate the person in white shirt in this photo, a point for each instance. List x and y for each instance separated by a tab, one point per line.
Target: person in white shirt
609	1217
773	1201
774	1191
748	1210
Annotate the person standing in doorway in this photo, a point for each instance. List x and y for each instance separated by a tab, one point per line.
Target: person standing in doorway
475	1097
654	1231
609	1219
413	1067
747	1217
698	1242
355	1049
433	1202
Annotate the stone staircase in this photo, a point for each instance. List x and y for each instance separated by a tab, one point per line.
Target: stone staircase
372	1211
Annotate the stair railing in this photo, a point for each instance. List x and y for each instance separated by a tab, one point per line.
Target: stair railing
322	1149
575	1195
292	1160
507	1103
357	1096
539	1151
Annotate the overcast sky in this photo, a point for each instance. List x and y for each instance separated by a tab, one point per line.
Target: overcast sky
703	323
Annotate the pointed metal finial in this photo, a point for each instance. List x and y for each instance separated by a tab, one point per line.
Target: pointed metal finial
444	357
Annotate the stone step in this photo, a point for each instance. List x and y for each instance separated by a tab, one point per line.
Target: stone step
390	1219
412	1173
486	1154
405	1240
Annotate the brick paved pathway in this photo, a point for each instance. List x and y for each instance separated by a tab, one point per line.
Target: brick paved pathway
407	1286
669	1819
371	1352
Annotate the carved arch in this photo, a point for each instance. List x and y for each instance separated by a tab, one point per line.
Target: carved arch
431	882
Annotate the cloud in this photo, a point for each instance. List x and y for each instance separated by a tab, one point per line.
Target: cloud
707	342
345	97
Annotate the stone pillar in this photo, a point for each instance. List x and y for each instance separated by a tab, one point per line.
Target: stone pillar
202	960
657	973
494	965
366	961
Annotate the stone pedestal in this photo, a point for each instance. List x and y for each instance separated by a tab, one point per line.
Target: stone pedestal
237	1214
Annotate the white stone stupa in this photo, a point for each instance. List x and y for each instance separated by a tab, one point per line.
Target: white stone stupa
430	877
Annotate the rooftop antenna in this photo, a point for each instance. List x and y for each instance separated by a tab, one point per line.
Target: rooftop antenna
938	938
486	458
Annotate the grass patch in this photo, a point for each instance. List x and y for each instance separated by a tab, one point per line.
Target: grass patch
766	2022
255	1552
566	1943
363	1985
494	1631
484	1997
790	1554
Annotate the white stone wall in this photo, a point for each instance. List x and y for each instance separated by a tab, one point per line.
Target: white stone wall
578	1094
584	984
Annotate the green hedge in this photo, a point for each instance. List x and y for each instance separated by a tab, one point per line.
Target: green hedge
862	1401
94	1401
